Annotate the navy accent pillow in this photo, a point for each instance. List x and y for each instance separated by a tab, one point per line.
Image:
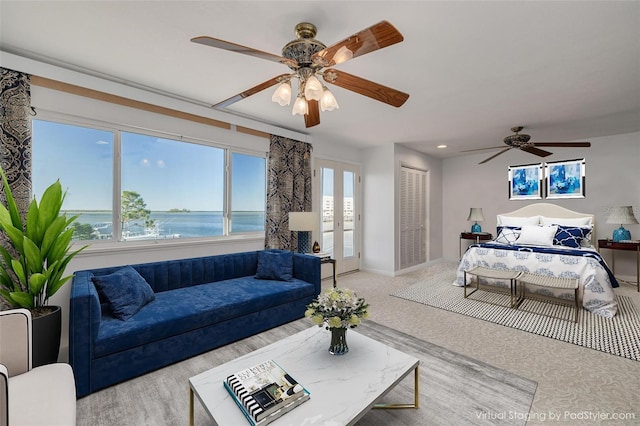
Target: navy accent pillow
125	290
570	236
275	265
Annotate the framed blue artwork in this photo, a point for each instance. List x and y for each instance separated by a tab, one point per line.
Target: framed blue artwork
565	179
525	182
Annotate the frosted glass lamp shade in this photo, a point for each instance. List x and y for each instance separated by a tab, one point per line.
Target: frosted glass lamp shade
622	215
313	88
328	101
300	106
282	95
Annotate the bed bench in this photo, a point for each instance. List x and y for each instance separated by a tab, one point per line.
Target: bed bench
551	282
496	274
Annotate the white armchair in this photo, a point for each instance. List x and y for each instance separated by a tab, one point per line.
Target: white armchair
44	395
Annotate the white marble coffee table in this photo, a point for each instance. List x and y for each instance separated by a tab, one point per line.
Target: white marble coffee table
343	388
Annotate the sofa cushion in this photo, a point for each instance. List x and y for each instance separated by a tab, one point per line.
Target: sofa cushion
178	311
275	265
125	291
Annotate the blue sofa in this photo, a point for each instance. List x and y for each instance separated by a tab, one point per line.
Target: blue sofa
199	304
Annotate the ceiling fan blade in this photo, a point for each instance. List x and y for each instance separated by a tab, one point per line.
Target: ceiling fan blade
312	117
536	151
565	144
483	149
233	47
259	88
376	37
495	155
364	87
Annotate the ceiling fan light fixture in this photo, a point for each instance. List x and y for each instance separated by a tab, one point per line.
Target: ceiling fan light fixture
313	88
282	95
328	101
300	106
342	55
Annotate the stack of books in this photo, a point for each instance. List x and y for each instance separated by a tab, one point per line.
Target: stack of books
265	392
322	255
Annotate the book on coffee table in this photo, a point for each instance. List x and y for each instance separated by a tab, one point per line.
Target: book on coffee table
264	392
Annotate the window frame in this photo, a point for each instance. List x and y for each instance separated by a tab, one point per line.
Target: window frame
116	129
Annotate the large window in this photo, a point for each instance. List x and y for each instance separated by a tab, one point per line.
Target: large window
165	188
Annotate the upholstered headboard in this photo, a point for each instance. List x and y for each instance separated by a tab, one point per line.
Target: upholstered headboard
551	211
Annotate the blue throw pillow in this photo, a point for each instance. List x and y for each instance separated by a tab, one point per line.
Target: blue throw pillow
125	290
275	265
570	236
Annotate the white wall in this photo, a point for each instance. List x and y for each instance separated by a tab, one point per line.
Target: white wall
378	210
612	179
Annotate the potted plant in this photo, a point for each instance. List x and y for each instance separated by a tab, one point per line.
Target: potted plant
35	255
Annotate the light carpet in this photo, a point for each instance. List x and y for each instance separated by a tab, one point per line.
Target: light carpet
618	336
454	389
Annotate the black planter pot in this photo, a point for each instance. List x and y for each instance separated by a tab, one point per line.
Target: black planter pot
46	336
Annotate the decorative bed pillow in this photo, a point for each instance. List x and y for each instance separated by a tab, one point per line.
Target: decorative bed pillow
537	235
571	236
507	235
517	221
566	221
125	290
275	265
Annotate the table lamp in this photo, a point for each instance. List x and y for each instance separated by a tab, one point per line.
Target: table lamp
303	223
475	214
624	216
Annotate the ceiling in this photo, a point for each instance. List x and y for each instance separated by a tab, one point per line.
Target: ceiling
566	71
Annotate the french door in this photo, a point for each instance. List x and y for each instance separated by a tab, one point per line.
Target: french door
338	186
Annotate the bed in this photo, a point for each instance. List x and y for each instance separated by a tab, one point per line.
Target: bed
549	240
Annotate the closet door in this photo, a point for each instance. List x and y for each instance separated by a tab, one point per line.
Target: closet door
413	246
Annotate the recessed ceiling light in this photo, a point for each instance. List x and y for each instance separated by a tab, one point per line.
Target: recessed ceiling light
441	146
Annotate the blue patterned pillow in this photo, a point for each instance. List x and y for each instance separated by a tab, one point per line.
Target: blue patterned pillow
275	265
125	290
507	235
570	236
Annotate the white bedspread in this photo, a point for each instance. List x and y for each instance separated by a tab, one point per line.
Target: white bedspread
596	290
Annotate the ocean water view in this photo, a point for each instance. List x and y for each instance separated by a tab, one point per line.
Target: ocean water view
171	224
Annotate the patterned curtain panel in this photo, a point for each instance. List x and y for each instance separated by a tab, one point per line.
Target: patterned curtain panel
288	189
15	145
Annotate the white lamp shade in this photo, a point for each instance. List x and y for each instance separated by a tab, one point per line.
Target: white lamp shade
282	95
303	221
475	214
622	215
328	101
300	106
313	88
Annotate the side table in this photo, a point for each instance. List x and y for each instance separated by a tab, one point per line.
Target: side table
477	237
333	262
627	246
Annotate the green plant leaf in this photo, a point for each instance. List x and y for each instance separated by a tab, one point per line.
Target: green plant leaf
22	299
7	296
50	205
5	217
18	270
16	219
51	235
16	236
53	287
60	246
31	225
33	256
36	283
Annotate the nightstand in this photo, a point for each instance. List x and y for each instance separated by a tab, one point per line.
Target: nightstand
477	237
630	246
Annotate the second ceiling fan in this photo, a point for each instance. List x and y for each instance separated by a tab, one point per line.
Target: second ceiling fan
522	142
309	58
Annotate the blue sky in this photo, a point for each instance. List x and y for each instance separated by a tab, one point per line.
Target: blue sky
167	174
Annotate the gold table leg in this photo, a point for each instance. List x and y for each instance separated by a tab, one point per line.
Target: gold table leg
416	394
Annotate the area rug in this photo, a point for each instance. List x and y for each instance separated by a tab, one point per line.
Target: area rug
454	389
618	336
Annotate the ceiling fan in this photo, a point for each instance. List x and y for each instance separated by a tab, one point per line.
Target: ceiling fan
521	141
309	58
